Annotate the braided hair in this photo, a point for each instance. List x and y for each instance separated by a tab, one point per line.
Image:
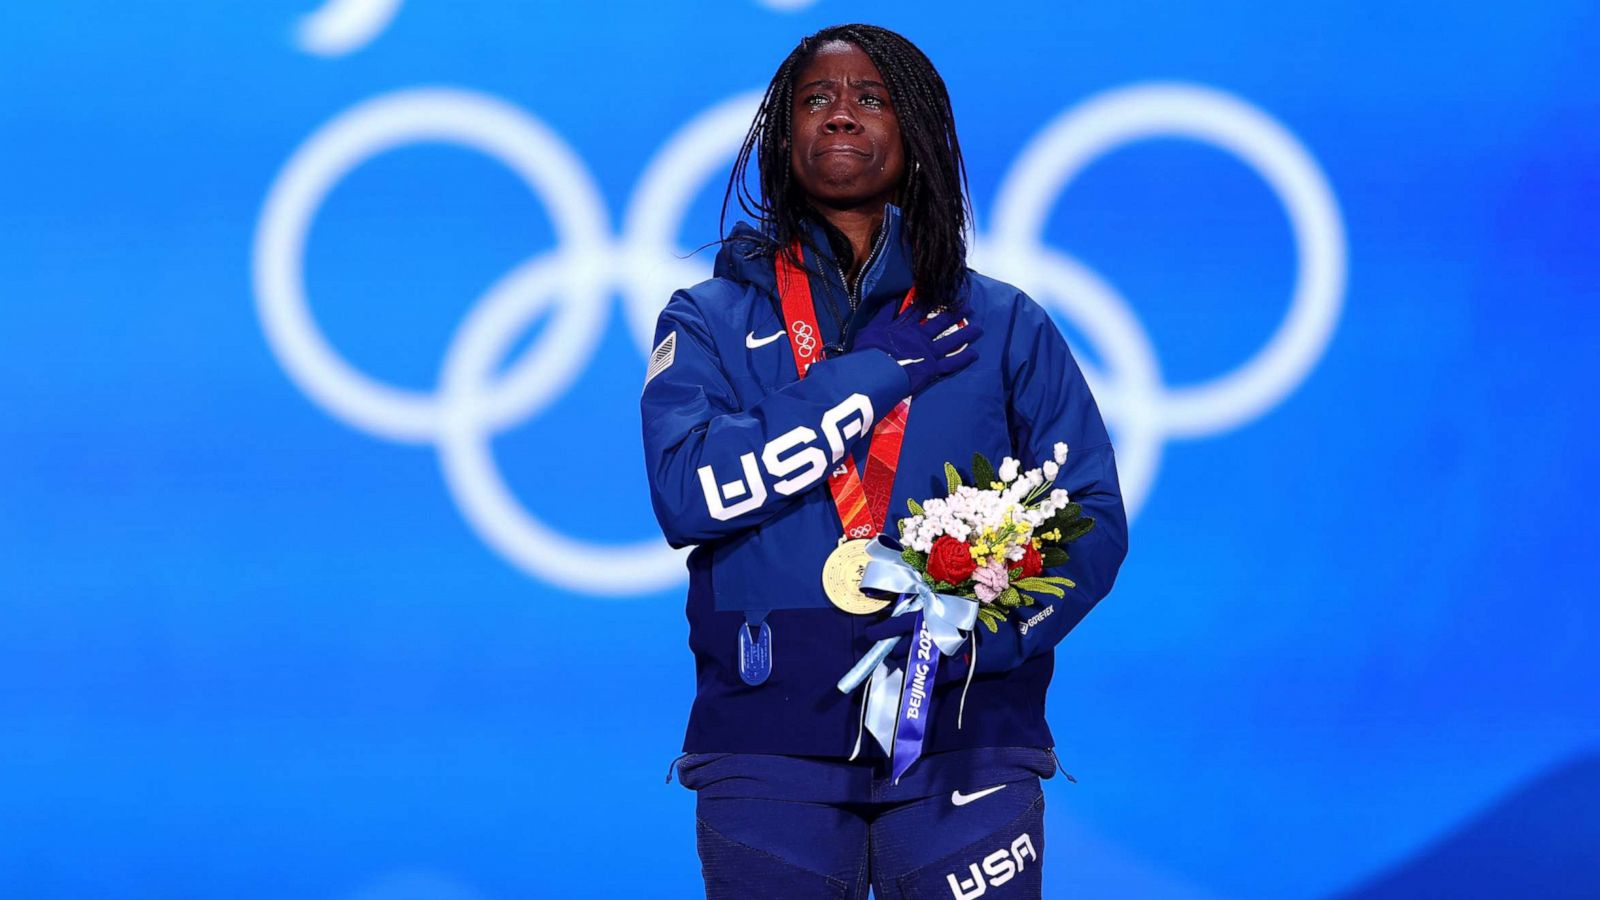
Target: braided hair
933	196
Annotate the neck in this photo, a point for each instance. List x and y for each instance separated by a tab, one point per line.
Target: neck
860	225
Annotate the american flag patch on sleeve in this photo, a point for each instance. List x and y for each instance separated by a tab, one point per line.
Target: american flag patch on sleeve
661	356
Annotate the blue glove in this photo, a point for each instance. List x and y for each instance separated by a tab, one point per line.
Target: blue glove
951	668
921	346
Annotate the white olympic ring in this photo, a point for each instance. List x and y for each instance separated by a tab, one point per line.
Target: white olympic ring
804	338
572	284
344	26
340	27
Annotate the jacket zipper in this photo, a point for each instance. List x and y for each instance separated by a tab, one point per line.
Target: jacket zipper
850	290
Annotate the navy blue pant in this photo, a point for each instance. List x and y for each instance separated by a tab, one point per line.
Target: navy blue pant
960	825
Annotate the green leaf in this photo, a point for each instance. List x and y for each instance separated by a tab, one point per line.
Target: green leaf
952	477
943	587
1039	585
914	506
1063	518
1009	598
990	619
982	472
916	559
1057	579
1053	556
1027	600
1077	529
1014	572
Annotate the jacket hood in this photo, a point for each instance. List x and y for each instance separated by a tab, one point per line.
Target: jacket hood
748	253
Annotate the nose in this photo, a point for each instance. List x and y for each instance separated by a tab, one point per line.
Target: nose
841	120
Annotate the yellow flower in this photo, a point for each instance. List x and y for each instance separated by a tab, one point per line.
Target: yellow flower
997	486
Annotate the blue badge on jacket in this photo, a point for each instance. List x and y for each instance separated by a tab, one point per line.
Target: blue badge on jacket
755	653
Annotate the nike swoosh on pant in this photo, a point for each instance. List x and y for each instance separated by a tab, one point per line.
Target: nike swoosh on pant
960	799
751	341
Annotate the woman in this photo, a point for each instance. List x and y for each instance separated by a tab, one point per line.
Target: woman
774	434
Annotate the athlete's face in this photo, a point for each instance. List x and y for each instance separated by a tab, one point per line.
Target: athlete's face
846	151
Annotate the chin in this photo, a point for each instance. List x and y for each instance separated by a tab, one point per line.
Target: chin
843	197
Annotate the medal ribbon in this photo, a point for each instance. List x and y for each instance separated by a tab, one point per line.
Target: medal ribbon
862	506
899	701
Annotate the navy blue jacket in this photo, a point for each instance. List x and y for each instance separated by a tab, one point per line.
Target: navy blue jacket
738	450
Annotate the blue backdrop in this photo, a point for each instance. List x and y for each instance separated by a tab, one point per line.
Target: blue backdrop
326	563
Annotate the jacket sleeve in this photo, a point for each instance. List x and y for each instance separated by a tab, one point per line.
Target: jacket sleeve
715	468
1049	402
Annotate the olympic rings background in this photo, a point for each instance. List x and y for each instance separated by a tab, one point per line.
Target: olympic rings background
1142	409
328	568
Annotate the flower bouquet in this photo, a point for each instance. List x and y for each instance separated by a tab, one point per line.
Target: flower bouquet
976	554
992	540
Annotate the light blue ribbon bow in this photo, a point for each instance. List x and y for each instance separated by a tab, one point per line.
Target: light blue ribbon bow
947	617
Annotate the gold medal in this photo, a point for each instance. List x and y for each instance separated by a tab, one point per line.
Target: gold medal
841	579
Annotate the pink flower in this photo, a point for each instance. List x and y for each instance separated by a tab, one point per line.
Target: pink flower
990	581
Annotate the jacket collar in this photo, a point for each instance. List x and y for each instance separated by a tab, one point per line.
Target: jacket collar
747	256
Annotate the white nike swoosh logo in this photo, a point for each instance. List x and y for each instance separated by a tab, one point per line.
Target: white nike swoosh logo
961	799
751	341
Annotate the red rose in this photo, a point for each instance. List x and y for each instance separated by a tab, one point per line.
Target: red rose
1032	562
951	560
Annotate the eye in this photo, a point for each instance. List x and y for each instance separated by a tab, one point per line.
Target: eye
872	101
812	100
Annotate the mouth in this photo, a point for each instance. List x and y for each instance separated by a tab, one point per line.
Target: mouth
841	148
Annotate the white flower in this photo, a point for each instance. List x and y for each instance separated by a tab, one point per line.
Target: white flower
1008	469
1050	470
1027	482
1061	452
